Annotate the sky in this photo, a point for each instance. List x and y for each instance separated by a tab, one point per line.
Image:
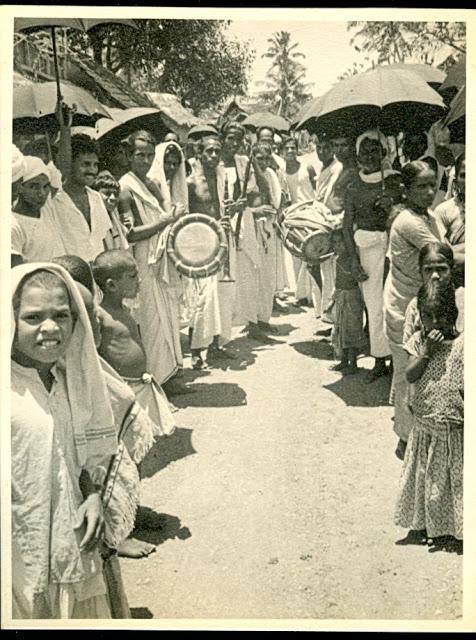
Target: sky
326	46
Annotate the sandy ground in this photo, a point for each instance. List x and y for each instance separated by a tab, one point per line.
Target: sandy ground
276	497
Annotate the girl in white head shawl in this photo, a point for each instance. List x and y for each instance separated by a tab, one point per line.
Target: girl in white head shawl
62	426
170	177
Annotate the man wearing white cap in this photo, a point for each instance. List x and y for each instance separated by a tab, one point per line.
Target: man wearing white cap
33	237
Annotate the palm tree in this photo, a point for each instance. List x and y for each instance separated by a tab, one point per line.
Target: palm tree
285	90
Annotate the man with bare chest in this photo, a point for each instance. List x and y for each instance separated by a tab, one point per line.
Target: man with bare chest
202	184
211	317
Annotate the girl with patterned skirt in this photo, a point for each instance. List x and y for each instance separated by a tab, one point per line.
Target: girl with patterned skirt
431	489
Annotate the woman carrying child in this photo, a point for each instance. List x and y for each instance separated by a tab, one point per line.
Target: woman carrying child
431	491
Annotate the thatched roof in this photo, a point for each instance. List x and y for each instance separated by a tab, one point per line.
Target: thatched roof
174	114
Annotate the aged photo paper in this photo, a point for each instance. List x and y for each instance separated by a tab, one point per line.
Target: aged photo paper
263	530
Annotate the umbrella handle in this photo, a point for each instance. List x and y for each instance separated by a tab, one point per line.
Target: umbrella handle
55	61
381	162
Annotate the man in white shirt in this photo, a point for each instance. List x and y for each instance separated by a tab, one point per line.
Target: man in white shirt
80	215
33	235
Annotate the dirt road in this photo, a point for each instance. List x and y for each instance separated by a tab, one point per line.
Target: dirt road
276	497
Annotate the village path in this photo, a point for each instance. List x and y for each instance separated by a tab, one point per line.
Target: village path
276	496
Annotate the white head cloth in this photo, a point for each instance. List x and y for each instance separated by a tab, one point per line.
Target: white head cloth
176	192
93	422
34	167
56	178
18	164
386	169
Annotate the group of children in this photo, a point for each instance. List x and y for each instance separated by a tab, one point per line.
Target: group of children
430	502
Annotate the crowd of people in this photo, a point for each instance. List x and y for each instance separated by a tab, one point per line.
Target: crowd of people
99	306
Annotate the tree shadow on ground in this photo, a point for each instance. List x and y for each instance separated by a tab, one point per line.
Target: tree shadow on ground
217	394
320	349
141	612
156	528
166	450
355	393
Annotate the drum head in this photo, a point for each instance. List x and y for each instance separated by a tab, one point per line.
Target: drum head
196	244
316	246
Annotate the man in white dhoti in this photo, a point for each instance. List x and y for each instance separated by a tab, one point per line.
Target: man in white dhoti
266	205
79	213
158	300
241	189
211	323
331	169
301	181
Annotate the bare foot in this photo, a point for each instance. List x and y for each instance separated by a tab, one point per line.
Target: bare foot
132	548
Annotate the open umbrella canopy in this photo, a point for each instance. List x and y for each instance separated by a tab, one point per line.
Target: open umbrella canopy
430	74
266	119
392	99
35	105
301	114
126	121
456	117
30	24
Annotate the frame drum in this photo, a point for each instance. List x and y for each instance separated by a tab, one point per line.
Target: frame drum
197	245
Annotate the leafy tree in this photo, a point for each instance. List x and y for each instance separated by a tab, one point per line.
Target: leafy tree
395	42
285	90
194	59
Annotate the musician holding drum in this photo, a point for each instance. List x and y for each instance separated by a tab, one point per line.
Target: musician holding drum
211	322
158	301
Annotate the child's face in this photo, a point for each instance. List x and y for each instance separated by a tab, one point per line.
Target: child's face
110	197
44	324
129	282
436	269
